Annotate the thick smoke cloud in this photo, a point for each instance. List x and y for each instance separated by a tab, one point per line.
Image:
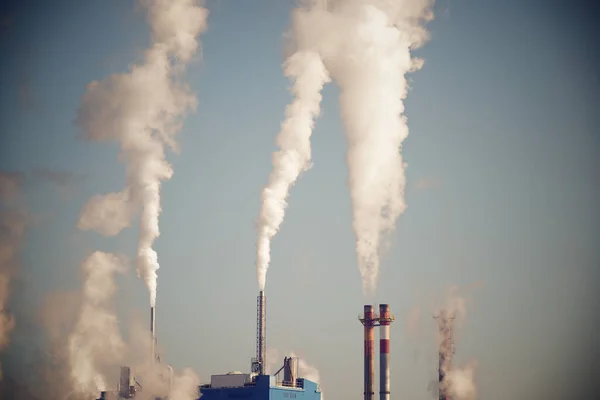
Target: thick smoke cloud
142	110
95	345
13	221
365	46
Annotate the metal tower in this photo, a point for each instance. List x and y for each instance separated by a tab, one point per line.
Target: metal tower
259	363
446	350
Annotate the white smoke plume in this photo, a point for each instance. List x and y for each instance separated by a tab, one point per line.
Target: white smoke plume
106	214
307	72
13	222
462	382
365	46
143	110
95	343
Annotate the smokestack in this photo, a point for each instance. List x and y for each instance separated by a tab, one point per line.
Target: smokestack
385	319
368	321
153	331
261	332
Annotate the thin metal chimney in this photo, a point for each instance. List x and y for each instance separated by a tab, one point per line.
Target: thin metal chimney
153	332
261	332
368	321
385	319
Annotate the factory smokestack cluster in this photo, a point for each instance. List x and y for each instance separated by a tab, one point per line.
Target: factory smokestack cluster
370	320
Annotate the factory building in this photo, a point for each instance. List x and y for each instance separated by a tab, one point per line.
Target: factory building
256	385
236	385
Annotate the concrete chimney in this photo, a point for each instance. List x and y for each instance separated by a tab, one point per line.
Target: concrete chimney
385	319
368	321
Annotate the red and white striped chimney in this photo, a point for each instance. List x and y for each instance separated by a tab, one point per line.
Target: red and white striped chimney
385	319
368	321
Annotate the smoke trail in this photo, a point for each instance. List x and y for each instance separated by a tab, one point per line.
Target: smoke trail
366	46
370	71
13	221
142	110
307	72
95	343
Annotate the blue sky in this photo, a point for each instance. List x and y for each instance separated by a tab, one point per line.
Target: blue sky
502	192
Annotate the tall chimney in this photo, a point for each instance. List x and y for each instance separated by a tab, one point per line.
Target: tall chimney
385	319
153	332
368	321
261	332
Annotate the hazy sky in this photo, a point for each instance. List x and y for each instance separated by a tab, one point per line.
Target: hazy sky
503	189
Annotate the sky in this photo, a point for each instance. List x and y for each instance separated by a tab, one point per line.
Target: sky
503	187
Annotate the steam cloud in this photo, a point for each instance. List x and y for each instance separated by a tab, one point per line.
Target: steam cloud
13	221
143	110
305	68
365	46
185	386
96	344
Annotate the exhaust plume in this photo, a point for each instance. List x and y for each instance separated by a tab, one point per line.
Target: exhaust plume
462	382
185	386
143	110
95	343
106	214
366	47
308	75
13	221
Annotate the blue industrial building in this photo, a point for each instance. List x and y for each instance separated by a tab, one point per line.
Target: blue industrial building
258	387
